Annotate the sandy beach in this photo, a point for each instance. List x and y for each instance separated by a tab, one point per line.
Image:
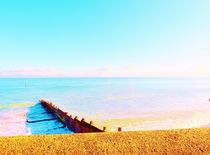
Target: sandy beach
186	141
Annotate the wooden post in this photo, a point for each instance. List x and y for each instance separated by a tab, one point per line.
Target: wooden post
119	129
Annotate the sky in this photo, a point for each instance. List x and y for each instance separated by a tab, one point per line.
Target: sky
109	38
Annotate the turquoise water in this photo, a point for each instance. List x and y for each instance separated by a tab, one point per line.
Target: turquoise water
181	99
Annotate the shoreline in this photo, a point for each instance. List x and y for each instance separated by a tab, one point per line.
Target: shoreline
184	141
126	124
162	121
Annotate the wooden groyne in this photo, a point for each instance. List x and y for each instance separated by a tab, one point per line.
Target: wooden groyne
78	126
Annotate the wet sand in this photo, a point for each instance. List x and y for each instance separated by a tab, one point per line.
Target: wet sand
13	122
157	121
186	141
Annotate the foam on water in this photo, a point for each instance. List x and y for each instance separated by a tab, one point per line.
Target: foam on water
13	122
29	118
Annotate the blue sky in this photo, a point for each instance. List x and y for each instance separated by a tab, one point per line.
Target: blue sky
104	38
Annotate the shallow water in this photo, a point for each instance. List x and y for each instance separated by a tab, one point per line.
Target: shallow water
169	102
41	121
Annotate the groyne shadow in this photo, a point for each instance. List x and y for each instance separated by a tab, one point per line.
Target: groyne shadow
41	121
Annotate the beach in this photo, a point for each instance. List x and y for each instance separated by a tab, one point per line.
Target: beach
104	77
186	141
156	116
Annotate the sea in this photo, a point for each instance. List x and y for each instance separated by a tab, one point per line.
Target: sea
130	103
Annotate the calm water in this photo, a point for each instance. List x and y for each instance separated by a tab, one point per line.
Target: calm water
177	102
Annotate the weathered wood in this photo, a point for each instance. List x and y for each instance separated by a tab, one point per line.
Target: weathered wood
72	123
